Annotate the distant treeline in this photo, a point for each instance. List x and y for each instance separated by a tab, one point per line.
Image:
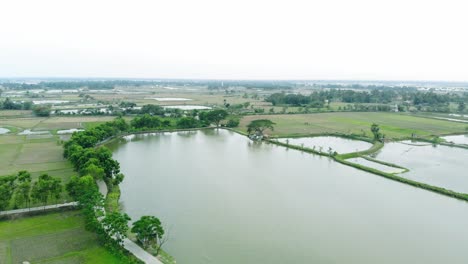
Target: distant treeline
366	87
59	85
373	96
265	85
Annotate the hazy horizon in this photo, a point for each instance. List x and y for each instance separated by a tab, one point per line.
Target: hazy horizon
333	40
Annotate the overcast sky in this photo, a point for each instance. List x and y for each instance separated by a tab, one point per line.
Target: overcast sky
238	39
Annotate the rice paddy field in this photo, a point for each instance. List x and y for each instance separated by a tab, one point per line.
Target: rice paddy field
50	238
38	153
393	125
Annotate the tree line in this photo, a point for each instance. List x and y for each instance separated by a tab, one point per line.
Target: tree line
23	191
373	96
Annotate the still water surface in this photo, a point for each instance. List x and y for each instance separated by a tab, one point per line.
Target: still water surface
226	199
436	165
323	143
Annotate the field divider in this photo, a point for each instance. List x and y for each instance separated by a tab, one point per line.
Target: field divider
385	163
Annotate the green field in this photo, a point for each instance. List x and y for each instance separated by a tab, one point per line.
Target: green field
39	153
51	238
393	125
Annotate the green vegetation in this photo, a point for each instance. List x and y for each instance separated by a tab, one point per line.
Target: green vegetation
393	125
18	189
149	232
42	110
259	126
51	238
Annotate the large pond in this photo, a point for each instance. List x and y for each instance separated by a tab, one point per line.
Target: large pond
338	144
436	165
226	199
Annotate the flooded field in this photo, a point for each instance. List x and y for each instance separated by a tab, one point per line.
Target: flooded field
188	107
457	139
376	165
338	144
436	165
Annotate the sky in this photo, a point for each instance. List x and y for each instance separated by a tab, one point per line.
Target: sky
238	39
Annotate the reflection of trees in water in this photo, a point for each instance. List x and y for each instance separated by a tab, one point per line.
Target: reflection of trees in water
210	132
255	145
187	134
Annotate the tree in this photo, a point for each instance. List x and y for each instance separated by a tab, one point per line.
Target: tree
461	106
259	126
233	122
79	186
152	109
7	188
23	190
216	116
46	187
116	225
187	122
118	178
42	110
375	130
148	231
94	170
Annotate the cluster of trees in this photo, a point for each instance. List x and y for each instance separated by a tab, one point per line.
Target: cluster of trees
94	164
366	87
75	84
8	104
39	110
81	152
42	110
198	119
318	98
430	100
148	121
23	191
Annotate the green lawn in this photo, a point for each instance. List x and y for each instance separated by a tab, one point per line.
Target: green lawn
393	125
50	238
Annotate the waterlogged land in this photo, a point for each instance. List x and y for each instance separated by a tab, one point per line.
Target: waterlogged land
226	199
457	139
324	144
435	165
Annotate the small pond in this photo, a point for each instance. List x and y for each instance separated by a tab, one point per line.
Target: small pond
169	99
457	139
188	107
50	102
338	144
69	131
29	132
4	130
436	165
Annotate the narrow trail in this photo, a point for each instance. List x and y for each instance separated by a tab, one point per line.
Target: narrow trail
127	243
38	209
